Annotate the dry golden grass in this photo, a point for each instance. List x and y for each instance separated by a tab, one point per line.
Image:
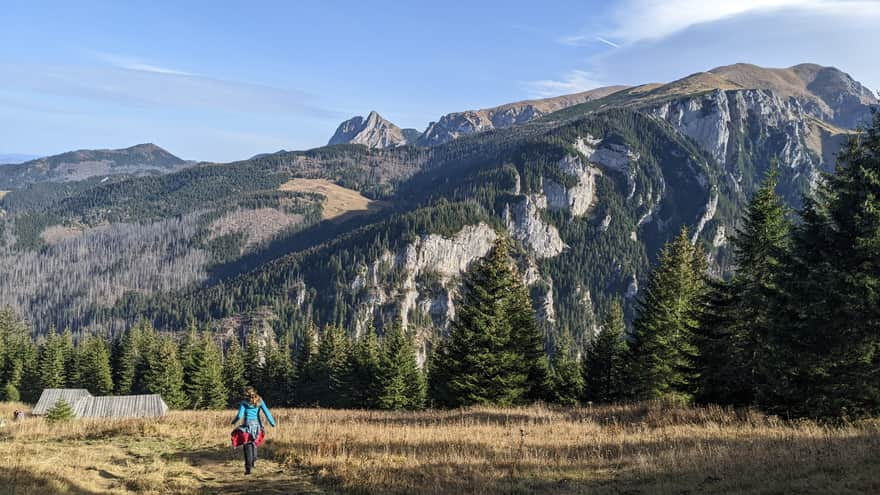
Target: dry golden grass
642	448
339	200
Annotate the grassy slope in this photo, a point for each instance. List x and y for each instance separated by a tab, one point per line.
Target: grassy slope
632	449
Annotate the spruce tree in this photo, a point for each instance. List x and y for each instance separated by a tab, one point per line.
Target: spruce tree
494	354
234	371
401	384
734	336
664	349
94	366
306	369
364	369
71	369
605	363
18	350
826	342
566	379
189	349
207	390
60	412
164	373
278	373
328	372
52	360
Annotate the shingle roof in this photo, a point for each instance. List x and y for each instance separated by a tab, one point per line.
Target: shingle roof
52	395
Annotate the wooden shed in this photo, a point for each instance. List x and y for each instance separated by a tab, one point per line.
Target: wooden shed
84	405
52	395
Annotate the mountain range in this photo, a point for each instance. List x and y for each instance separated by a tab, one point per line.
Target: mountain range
379	226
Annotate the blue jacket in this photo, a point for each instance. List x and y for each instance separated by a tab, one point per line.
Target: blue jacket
250	413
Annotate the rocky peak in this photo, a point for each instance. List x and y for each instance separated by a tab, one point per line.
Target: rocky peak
374	132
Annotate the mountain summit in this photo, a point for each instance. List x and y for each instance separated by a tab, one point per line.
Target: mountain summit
374	132
142	159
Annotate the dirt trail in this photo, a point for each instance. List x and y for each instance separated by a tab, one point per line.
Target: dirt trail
221	471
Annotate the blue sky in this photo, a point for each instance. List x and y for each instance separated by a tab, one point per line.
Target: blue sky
225	80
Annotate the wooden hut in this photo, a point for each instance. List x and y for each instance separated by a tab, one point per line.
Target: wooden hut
84	405
52	395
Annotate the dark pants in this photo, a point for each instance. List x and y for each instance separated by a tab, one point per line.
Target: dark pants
250	456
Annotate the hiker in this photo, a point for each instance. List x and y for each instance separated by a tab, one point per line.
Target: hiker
250	432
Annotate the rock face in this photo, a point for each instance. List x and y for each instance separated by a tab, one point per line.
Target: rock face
524	222
421	280
578	199
454	125
143	159
826	93
373	132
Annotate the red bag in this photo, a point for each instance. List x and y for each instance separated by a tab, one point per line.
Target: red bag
241	437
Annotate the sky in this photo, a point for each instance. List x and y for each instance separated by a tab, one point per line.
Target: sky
223	81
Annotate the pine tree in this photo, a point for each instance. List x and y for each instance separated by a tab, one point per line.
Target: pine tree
207	390
278	373
306	369
734	336
605	363
52	360
826	342
494	354
17	350
234	371
330	370
131	367
94	366
401	384
664	349
188	352
364	369
566	379
71	369
254	361
164	373
60	412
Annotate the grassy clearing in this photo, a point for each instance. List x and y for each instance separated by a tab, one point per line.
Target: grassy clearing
339	200
642	448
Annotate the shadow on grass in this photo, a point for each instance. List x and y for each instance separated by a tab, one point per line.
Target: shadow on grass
16	481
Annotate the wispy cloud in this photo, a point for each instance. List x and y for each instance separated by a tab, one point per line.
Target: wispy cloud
572	82
639	20
133	82
609	43
136	64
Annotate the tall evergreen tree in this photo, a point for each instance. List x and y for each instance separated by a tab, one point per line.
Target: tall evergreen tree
189	349
52	360
234	372
131	368
401	383
364	369
827	341
566	379
207	390
164	373
734	335
605	363
17	351
306	368
331	369
494	354
278	373
94	366
664	349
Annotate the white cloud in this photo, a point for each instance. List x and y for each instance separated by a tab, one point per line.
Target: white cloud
136	64
638	20
573	81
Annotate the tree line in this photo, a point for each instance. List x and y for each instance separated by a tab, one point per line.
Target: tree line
794	331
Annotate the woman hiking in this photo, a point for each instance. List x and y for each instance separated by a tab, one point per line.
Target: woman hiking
250	432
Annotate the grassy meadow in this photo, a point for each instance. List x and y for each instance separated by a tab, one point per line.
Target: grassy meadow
632	449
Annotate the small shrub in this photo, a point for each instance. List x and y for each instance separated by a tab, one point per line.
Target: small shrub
10	393
60	412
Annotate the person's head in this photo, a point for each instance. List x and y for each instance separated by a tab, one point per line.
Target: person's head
251	395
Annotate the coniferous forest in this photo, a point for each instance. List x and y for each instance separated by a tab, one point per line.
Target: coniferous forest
793	330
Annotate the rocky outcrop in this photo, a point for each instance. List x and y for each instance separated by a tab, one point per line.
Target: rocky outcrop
579	198
714	121
454	125
421	279
524	222
373	132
